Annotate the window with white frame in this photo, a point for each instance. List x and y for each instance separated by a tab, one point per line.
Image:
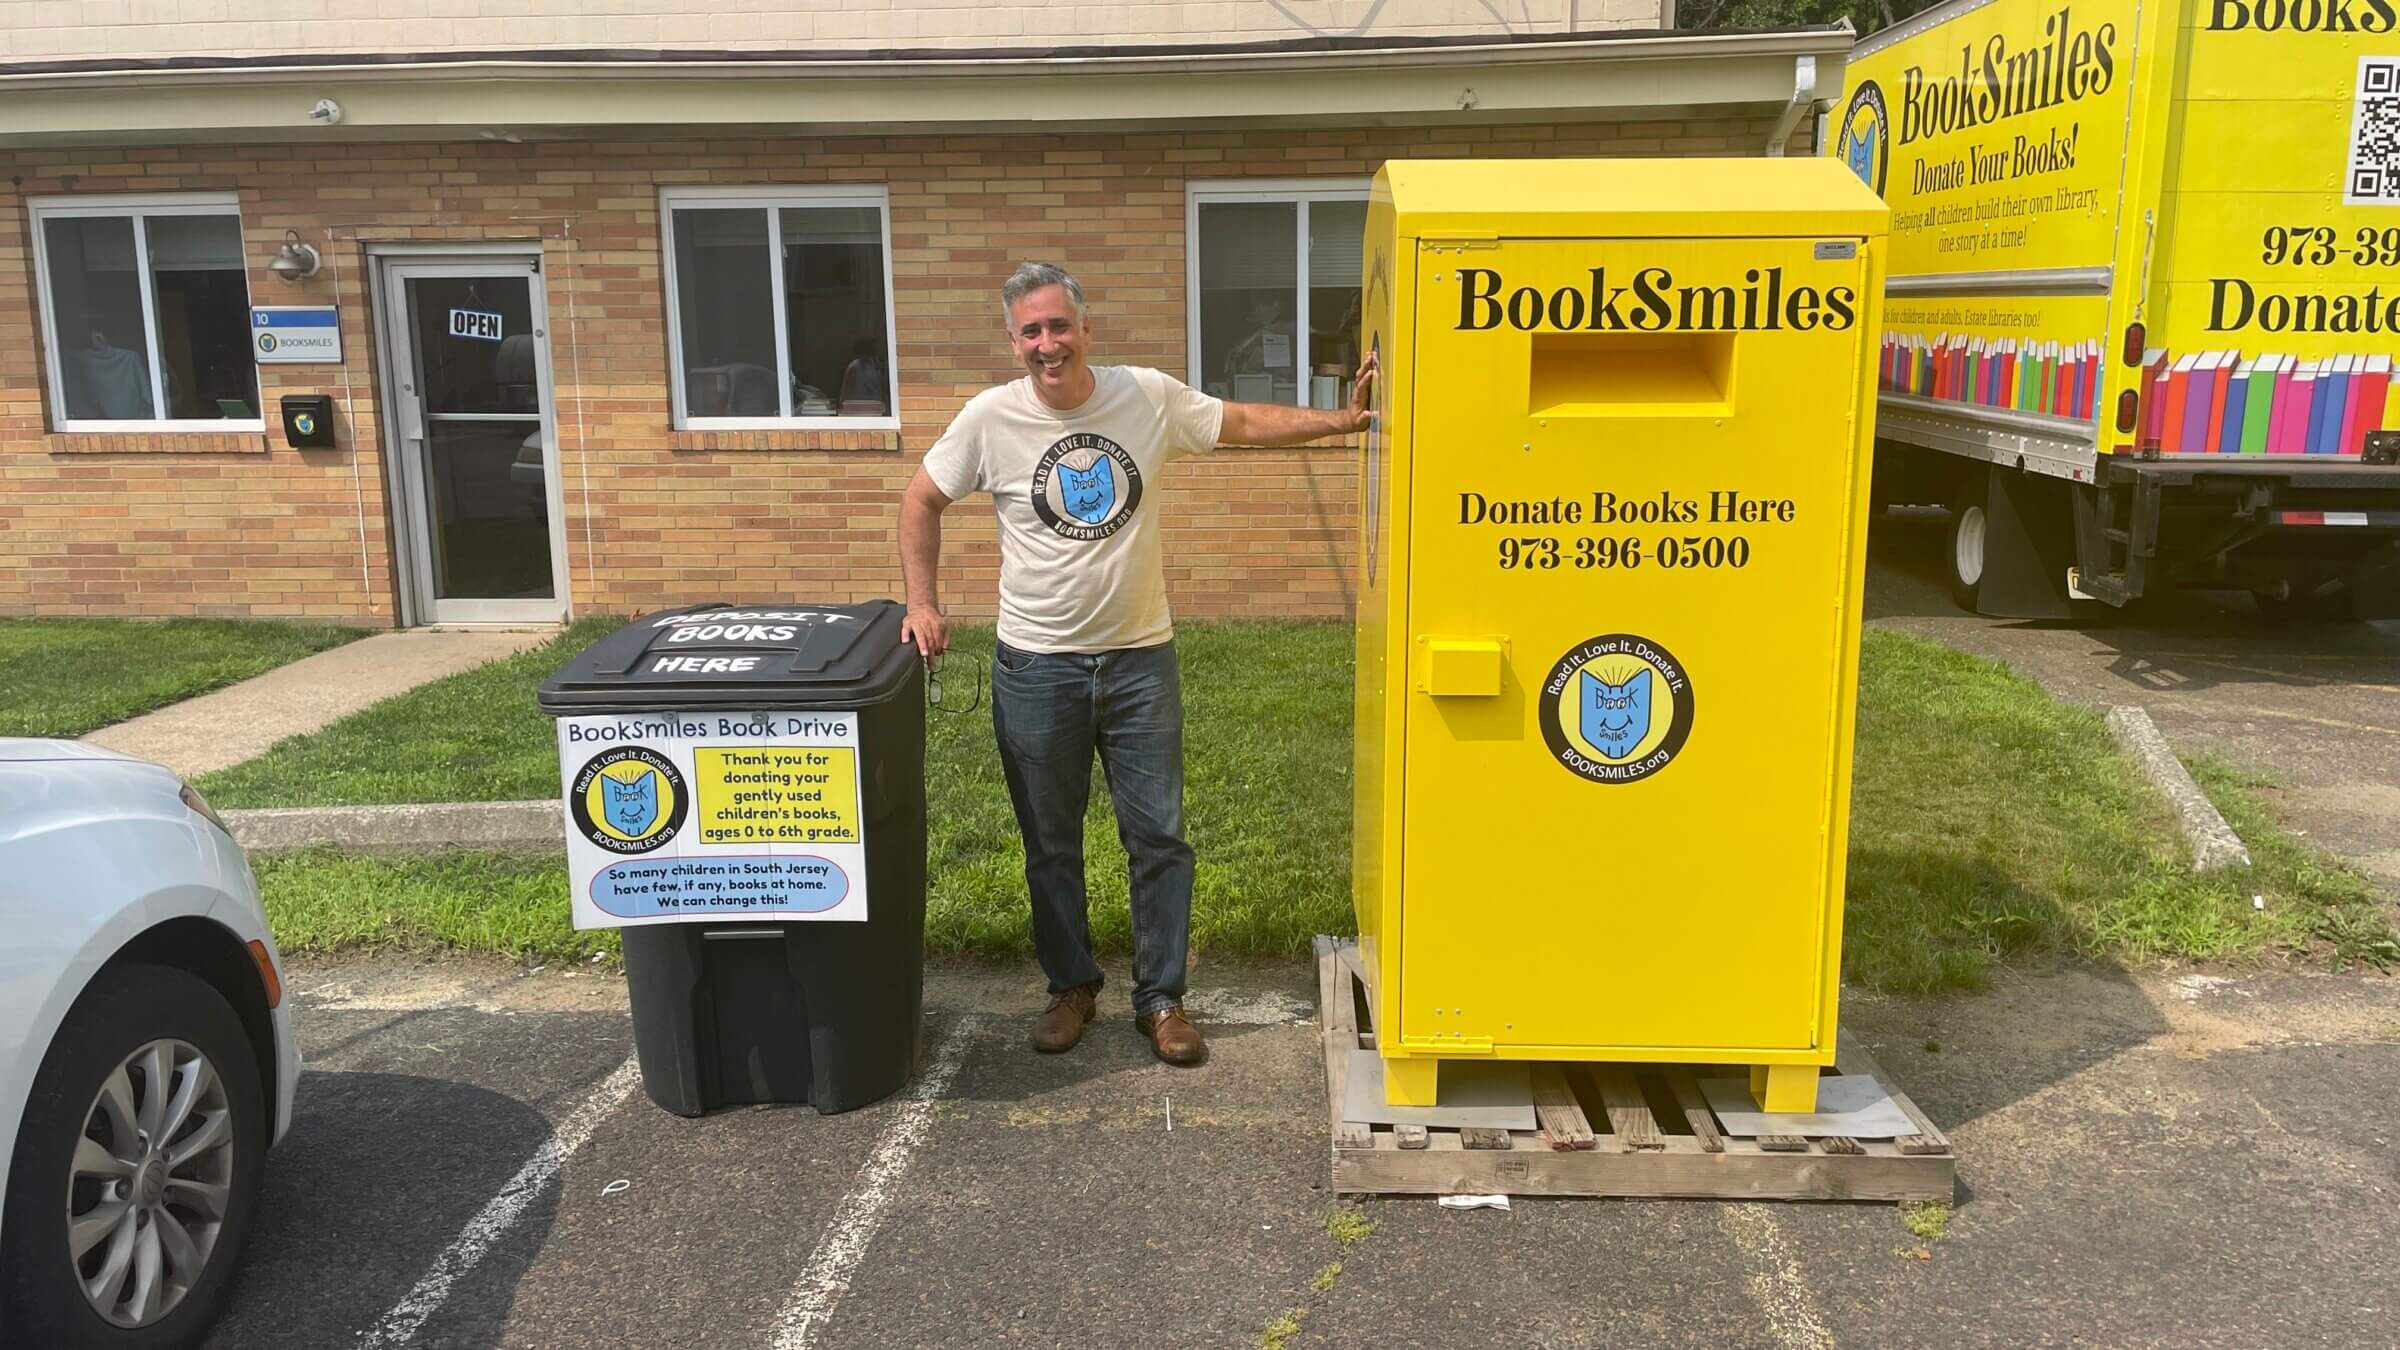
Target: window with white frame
1274	286
146	303
780	304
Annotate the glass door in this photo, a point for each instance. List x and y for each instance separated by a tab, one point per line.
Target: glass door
475	453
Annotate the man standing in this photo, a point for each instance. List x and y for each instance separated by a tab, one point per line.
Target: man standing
1072	456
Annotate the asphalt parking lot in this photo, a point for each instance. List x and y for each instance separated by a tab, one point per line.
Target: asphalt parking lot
2183	1161
2170	1159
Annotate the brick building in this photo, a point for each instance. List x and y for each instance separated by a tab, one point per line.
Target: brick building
661	305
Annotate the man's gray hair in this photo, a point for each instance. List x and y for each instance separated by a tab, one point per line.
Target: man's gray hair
1030	277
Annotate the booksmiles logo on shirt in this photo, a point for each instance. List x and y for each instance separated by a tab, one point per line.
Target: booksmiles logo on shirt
1086	487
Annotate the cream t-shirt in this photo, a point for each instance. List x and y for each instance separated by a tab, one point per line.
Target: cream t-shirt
1077	496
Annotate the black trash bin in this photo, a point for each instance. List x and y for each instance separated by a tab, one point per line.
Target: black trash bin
707	723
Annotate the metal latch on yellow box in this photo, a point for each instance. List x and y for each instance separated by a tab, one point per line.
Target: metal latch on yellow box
1459	241
1447	1045
1461	667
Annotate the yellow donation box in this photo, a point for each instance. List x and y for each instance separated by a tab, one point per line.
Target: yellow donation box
1608	622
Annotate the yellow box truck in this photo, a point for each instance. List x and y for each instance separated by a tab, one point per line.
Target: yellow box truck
2144	295
1613	529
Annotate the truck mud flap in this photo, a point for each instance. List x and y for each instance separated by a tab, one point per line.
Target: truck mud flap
2028	546
2374	582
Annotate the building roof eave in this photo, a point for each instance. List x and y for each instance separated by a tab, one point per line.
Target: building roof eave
558	96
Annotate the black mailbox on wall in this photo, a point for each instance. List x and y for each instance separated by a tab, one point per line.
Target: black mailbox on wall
308	421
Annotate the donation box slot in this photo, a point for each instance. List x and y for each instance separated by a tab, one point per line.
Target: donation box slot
1623	375
1644	498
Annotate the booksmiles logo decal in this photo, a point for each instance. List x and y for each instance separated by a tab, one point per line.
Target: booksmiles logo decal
630	799
1866	139
1086	487
1616	708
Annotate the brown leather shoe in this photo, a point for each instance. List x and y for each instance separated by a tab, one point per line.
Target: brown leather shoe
1172	1035
1062	1023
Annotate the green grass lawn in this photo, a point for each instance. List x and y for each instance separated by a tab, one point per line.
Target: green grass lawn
65	677
329	902
1991	824
1266	801
471	737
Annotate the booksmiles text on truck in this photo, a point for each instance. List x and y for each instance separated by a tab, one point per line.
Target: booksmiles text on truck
2144	295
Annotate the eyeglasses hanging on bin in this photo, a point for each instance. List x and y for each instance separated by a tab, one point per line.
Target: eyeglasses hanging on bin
933	689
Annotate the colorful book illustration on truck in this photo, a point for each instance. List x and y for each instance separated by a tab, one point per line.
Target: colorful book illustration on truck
2140	301
2226	403
2021	375
2201	403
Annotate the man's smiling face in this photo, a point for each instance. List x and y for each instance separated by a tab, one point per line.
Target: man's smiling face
1049	338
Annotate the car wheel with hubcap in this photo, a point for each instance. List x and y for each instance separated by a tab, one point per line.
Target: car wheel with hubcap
137	1167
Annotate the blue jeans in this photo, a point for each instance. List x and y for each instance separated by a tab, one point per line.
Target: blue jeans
1050	711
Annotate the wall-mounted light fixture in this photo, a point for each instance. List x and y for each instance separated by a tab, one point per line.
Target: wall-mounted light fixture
295	261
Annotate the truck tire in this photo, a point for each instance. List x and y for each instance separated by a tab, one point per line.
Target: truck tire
1968	528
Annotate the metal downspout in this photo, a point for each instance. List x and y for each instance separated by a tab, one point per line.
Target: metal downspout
1804	98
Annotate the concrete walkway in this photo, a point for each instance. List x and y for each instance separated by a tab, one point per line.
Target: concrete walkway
239	722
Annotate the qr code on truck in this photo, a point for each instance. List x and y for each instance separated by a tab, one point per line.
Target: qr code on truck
2374	178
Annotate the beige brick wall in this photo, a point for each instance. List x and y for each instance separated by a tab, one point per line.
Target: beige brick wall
62	29
242	525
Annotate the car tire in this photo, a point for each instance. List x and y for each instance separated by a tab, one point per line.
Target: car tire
125	1012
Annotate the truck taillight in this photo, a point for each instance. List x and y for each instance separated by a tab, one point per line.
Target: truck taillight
2136	342
2129	407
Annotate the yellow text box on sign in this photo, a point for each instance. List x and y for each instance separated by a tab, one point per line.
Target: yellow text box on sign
777	794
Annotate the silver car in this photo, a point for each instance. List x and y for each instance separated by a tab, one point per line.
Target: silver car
146	1052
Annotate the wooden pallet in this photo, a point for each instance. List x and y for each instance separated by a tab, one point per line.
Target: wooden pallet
1611	1129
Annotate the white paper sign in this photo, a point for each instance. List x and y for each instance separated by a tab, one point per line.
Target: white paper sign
685	817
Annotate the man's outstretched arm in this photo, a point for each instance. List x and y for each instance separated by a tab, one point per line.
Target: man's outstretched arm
1275	424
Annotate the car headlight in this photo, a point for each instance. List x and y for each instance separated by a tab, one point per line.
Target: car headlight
200	806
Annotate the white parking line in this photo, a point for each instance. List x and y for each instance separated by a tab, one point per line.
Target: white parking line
407	1317
1775	1279
855	1220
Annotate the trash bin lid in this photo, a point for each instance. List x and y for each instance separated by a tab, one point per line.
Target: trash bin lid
775	654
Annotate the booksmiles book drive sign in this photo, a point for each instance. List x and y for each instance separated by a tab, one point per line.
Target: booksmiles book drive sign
673	817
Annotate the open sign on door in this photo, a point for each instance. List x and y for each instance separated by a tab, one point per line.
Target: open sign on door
475	323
